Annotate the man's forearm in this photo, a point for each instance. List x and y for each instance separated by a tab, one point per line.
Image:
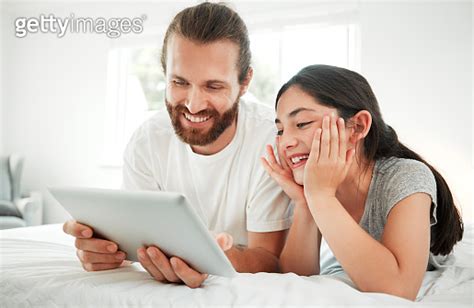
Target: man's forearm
252	260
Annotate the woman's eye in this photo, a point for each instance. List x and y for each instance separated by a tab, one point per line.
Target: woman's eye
301	125
279	132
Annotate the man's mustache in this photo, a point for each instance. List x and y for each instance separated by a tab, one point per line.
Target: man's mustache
202	113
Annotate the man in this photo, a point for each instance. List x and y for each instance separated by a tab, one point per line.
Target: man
206	147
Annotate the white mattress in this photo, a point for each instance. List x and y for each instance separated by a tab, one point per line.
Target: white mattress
38	267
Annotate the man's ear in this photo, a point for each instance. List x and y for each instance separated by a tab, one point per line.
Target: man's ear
246	82
360	126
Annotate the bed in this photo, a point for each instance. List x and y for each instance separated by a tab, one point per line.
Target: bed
38	267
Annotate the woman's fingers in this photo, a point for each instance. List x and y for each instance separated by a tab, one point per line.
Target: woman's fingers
315	146
325	137
334	138
327	166
345	155
269	168
271	155
275	174
342	139
272	162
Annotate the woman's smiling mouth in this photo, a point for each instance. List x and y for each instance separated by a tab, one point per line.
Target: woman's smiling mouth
297	160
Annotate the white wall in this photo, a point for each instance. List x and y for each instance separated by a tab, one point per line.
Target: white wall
55	89
3	25
417	57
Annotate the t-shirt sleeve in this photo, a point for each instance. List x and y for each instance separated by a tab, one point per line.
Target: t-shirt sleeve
137	170
406	178
268	207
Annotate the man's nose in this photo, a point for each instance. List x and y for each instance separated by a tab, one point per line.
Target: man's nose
196	100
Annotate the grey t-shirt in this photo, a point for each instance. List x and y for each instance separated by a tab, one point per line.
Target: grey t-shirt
393	180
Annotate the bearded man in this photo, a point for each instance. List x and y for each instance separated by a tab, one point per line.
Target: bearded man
206	145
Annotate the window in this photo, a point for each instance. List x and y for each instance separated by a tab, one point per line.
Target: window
280	54
136	82
135	88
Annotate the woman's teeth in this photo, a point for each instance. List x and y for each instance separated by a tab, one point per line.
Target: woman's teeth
195	119
297	159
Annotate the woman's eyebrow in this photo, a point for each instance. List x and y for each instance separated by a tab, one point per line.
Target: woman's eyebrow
298	110
294	113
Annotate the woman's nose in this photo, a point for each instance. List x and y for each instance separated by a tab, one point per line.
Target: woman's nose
287	141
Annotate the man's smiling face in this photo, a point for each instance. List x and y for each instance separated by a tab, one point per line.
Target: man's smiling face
203	90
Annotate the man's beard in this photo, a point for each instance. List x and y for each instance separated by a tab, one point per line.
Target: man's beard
199	137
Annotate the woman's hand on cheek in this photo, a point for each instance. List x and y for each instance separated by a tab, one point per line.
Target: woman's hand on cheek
282	174
329	160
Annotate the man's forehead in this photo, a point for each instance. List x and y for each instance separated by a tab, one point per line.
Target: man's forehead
177	40
216	60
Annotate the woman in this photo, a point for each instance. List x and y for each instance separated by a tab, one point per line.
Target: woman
384	211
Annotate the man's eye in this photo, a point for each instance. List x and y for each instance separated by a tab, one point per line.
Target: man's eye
212	87
301	125
179	82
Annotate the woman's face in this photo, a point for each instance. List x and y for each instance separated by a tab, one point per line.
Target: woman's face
298	116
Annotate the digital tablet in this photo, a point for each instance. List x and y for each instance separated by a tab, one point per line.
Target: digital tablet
133	219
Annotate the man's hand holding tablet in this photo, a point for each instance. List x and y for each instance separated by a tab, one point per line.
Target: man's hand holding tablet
160	230
98	254
95	254
174	269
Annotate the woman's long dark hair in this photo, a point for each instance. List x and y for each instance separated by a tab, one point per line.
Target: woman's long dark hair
349	93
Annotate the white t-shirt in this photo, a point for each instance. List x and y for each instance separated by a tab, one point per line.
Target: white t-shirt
229	190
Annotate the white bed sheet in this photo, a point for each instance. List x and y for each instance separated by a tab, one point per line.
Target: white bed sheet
38	267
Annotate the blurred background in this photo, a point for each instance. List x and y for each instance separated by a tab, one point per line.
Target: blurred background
68	105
